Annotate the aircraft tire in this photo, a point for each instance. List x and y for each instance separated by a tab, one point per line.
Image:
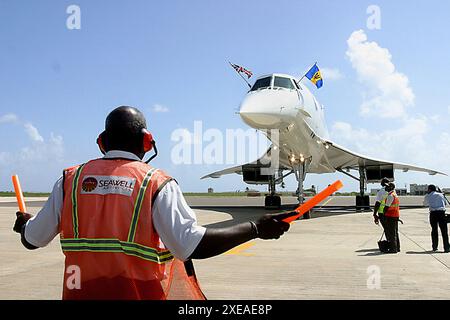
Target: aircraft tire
359	203
272	202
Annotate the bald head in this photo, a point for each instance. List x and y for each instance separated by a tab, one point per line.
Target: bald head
123	129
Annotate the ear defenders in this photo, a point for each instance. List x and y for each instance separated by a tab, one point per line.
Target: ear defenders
147	140
148	143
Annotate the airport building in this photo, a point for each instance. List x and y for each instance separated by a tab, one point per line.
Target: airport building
418	189
399	191
414	190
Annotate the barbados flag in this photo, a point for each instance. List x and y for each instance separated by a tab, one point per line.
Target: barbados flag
314	75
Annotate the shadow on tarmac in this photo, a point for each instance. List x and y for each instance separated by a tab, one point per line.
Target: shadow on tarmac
368	250
246	213
424	252
371	254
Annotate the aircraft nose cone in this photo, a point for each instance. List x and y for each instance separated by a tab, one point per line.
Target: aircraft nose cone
264	110
259	119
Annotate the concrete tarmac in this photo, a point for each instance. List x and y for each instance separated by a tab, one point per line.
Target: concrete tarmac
333	255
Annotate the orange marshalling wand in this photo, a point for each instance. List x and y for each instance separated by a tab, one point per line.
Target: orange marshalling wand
311	203
19	194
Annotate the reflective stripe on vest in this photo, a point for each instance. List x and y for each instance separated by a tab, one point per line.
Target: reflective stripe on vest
74	201
114	245
138	205
394	209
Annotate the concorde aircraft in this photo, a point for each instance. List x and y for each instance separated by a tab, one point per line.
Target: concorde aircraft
292	118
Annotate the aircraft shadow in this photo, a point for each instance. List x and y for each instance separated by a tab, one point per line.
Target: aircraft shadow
238	214
246	213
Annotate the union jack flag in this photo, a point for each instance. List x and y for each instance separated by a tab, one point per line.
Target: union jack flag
240	69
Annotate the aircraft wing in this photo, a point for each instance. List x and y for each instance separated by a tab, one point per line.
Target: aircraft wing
218	174
265	158
334	158
340	158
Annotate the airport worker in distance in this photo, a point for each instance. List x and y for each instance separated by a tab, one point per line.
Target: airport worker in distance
391	218
380	201
125	228
435	200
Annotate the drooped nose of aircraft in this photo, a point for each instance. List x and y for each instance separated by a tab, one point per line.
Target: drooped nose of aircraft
269	108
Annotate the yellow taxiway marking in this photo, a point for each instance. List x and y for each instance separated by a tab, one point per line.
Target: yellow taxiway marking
240	248
331	198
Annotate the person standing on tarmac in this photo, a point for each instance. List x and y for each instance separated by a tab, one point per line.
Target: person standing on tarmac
380	201
391	212
125	228
435	200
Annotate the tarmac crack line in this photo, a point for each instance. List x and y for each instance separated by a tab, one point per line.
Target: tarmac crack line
425	250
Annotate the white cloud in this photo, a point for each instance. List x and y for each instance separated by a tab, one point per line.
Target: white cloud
387	93
409	138
37	160
331	74
160	108
443	146
436	118
448	109
38	164
405	143
9	118
51	150
32	132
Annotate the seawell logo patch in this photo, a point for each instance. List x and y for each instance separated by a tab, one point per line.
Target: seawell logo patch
108	185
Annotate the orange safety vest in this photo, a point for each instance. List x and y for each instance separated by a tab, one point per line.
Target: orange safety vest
107	235
393	210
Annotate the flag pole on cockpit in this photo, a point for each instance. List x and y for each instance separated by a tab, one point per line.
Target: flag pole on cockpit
249	85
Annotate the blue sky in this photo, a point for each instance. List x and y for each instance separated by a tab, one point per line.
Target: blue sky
57	85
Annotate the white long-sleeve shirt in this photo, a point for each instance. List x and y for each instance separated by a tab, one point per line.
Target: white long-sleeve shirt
381	195
435	201
173	219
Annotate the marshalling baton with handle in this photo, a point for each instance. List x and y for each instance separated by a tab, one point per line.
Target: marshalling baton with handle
311	203
19	194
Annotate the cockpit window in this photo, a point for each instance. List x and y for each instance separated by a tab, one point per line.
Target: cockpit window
283	83
261	83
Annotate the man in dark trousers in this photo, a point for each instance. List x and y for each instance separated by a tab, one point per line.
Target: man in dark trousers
125	225
436	202
391	218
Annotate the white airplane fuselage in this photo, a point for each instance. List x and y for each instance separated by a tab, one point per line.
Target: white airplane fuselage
295	113
294	121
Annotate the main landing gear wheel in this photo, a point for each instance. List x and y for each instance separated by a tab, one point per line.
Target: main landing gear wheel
362	200
362	203
272	202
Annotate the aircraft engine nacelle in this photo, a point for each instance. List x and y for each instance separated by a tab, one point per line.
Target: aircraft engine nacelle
375	173
253	174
